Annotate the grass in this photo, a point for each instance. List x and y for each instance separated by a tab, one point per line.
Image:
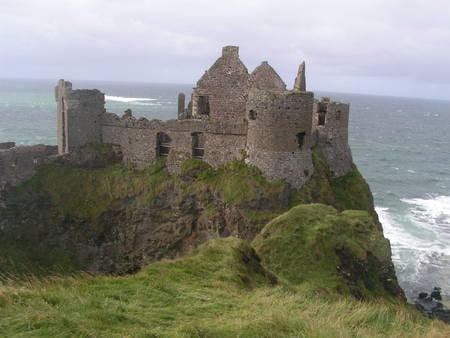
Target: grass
221	289
218	290
317	245
85	194
350	191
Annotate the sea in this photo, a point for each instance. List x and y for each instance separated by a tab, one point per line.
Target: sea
401	146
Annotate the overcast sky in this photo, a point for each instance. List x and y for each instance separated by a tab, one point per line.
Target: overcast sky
388	47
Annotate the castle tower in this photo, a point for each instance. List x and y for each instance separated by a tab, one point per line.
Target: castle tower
300	80
279	134
221	93
78	114
330	130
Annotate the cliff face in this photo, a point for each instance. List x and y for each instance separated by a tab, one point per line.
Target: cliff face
85	211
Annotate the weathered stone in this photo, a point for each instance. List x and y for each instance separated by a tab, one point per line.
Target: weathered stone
300	80
7	145
236	115
19	163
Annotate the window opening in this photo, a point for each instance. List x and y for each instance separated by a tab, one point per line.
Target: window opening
198	145
163	142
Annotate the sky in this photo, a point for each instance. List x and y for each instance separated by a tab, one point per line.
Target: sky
383	47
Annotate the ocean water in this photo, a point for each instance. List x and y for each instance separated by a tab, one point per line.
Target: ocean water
401	146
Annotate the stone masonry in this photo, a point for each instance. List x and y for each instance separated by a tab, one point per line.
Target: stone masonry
19	163
233	114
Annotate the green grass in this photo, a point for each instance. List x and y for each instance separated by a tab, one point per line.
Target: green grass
217	291
235	182
314	243
350	191
220	289
24	260
85	194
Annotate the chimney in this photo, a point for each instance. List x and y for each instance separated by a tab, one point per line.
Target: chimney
230	51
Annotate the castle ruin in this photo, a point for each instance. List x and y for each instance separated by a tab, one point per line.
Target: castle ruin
232	114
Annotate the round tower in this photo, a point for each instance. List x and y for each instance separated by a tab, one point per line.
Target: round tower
279	134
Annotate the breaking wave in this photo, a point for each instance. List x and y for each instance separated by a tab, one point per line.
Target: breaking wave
420	242
128	99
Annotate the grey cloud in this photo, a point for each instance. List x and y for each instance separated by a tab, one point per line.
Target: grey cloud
346	43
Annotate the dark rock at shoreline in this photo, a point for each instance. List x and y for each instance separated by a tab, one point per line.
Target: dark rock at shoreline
430	306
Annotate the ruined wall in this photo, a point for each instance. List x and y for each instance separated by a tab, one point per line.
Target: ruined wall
78	116
330	127
138	140
276	124
264	77
226	85
19	163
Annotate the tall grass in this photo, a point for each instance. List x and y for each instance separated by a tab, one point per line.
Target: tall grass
213	292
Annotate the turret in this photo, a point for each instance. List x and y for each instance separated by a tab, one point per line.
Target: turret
78	114
279	134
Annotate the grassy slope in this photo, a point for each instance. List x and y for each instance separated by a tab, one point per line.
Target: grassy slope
212	292
301	246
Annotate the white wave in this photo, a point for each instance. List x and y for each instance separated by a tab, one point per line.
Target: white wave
433	211
420	260
146	104
411	171
399	237
127	99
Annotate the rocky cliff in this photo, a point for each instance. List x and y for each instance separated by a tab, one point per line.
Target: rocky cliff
84	211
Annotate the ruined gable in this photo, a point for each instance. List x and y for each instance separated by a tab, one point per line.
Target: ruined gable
264	77
221	93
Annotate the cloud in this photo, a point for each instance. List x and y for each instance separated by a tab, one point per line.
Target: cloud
175	41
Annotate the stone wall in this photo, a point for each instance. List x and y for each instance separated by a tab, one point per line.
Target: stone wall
226	85
279	135
137	138
232	115
264	77
330	126
78	116
18	164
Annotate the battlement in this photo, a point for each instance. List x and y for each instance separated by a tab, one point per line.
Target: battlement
233	114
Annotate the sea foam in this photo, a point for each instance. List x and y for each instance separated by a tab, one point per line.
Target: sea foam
127	99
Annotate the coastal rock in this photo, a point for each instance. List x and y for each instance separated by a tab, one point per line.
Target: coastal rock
430	306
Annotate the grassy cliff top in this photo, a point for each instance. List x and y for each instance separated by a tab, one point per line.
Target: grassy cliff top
314	270
220	289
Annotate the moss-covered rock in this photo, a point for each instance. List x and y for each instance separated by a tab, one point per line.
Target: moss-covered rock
350	191
115	219
326	249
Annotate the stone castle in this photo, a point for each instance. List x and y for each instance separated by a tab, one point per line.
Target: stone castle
232	114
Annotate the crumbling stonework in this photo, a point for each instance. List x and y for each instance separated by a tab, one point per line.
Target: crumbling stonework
19	163
285	151
78	116
330	125
232	115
